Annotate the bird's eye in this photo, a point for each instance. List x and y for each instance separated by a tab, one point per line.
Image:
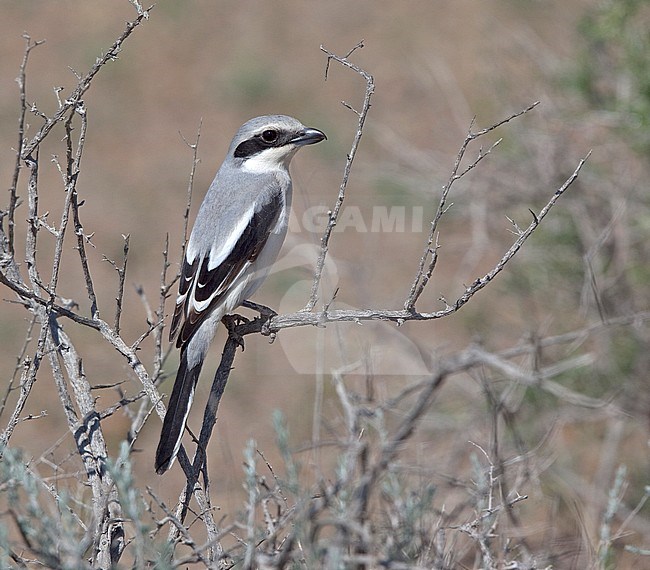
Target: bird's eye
269	136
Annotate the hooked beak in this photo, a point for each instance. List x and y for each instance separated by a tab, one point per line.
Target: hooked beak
308	136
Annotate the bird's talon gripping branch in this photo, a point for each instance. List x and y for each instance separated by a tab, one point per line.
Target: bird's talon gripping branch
232	322
267	313
266	327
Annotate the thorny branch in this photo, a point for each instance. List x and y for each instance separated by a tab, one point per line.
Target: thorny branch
190	185
425	269
84	84
13	196
53	345
334	213
69	177
121	274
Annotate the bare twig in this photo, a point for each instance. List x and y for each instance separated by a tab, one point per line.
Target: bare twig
83	86
82	238
20	362
164	293
13	196
179	526
27	380
9	279
333	215
430	255
73	387
32	220
70	177
121	273
190	186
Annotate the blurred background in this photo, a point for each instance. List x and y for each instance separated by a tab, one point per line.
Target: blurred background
436	66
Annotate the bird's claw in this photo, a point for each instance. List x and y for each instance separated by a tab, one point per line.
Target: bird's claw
231	322
266	314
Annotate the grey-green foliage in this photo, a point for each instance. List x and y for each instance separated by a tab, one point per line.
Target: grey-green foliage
282	438
145	550
408	535
51	530
51	527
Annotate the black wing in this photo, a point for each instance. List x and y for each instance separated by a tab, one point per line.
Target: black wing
198	283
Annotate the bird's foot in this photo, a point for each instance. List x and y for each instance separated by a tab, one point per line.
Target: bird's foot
266	314
232	322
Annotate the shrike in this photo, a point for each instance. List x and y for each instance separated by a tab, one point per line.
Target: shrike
237	235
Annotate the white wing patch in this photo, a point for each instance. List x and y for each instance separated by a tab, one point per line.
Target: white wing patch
200	306
220	251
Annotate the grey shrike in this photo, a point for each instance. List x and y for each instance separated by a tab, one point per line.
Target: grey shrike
237	235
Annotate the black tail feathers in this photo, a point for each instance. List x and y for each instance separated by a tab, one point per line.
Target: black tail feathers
177	412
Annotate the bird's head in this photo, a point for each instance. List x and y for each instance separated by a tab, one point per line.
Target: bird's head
269	142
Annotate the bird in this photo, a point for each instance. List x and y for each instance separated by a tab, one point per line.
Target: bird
236	237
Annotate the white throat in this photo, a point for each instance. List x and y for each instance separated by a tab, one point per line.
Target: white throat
269	160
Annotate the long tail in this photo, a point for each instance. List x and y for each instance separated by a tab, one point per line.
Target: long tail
177	411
